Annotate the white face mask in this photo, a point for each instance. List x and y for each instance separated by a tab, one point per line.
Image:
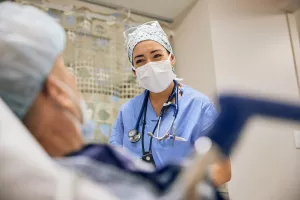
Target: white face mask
155	76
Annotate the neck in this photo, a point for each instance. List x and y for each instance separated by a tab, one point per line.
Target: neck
162	96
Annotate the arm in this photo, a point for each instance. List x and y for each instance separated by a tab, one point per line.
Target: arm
116	137
221	171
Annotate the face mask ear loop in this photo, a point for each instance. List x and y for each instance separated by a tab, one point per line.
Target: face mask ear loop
65	88
73	119
169	58
68	115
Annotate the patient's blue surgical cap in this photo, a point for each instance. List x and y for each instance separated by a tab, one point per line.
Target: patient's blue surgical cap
30	41
148	31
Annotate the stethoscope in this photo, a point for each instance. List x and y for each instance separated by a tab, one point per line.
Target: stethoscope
135	136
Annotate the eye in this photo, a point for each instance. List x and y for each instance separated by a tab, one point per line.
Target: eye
157	56
139	61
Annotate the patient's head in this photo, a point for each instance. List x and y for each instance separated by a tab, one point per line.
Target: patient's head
34	81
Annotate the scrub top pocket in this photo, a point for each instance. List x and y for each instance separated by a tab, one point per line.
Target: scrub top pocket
168	152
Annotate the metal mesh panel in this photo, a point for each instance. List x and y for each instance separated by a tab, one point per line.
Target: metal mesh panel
98	59
95	53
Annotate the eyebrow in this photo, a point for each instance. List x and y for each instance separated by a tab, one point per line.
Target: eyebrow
138	56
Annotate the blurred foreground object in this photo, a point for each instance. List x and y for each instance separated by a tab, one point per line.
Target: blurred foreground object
40	178
190	181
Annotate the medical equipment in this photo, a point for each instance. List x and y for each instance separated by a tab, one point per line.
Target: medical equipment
134	135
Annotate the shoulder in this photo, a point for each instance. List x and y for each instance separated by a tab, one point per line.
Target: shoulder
196	97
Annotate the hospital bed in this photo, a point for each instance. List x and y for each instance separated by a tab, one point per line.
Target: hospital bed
28	173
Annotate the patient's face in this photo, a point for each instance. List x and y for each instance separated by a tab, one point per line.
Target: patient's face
55	117
69	101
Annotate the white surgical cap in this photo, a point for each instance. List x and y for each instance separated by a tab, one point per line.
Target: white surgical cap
148	31
30	41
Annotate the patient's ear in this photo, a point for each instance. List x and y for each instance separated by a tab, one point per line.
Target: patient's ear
49	88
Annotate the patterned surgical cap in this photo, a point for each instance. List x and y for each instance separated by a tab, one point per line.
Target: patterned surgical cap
148	31
30	42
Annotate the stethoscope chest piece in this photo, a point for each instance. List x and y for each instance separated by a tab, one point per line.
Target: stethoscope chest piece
134	136
148	157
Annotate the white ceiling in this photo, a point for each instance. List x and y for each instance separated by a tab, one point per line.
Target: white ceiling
166	10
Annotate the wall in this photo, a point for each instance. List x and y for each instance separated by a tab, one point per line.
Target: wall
294	25
297	16
193	50
251	52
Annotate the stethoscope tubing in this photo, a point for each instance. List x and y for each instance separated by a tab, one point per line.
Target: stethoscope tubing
157	126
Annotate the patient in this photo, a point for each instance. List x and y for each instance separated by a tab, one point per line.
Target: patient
34	81
38	88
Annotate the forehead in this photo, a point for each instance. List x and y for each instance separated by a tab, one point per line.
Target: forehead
147	46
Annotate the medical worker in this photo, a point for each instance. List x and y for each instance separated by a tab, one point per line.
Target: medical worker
156	133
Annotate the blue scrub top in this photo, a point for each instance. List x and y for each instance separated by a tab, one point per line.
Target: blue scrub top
196	114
